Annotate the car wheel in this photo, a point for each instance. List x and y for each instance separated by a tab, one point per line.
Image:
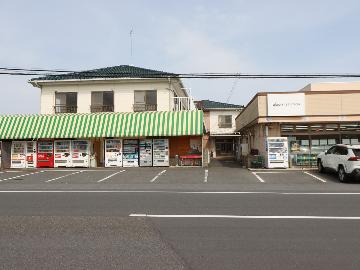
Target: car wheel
320	167
342	175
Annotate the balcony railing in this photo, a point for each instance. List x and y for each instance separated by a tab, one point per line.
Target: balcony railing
101	108
184	104
145	107
65	109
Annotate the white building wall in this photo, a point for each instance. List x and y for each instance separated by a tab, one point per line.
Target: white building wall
214	124
123	94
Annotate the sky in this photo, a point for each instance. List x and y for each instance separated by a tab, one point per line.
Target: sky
284	36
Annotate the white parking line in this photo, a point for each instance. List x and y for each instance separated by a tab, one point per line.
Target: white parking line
111	175
57	178
247	217
206	176
269	172
316	177
157	176
258	177
187	192
18	176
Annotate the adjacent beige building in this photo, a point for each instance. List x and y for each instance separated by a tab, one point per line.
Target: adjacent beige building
313	119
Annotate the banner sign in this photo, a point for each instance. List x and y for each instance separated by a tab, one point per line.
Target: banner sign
286	104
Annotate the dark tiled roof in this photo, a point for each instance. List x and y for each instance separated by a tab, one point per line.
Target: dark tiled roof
123	71
209	104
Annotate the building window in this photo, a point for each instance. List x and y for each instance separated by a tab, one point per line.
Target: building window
145	100
225	121
102	101
65	102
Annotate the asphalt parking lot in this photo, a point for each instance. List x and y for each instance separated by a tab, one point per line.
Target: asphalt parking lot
173	177
221	217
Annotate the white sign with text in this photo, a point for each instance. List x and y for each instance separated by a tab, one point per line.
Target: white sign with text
286	104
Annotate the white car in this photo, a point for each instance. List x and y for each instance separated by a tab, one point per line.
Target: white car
343	159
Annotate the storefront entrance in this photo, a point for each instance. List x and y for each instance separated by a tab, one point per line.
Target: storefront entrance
224	147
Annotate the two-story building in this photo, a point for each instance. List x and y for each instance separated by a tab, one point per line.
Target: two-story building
114	116
220	128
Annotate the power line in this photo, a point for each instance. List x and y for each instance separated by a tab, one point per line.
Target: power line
92	74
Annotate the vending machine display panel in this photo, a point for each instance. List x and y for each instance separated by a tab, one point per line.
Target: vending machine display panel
45	154
130	153
277	152
161	152
31	154
145	148
113	153
62	154
80	153
18	155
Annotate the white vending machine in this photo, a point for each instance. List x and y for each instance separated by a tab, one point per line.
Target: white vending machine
113	153
130	153
161	152
80	153
18	155
277	152
62	154
31	154
145	149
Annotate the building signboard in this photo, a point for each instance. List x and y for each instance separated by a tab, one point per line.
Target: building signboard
286	104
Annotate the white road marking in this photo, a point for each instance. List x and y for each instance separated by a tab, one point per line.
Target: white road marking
182	192
157	176
247	217
270	172
111	175
57	178
18	176
316	177
76	170
258	177
206	175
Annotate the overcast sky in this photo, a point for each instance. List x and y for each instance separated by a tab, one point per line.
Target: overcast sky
179	36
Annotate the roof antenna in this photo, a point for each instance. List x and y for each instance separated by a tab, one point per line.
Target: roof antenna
131	44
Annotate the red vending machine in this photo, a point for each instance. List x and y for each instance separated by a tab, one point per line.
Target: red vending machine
45	154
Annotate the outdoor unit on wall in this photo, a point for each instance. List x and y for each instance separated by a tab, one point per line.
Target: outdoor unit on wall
277	155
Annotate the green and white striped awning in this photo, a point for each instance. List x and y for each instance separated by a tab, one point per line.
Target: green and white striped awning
98	125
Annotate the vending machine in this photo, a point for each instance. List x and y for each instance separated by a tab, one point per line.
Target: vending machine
45	154
62	154
161	152
80	152
31	154
277	152
145	149
130	153
18	155
113	153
